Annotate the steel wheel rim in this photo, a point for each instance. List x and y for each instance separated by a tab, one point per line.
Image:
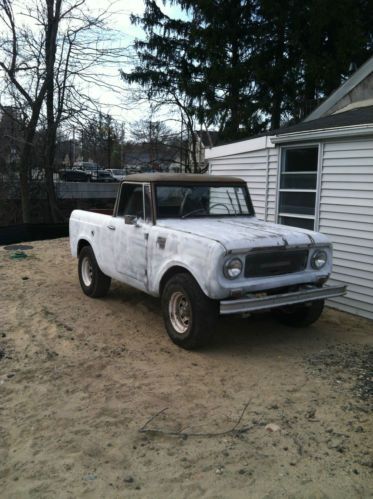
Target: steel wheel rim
87	271
180	312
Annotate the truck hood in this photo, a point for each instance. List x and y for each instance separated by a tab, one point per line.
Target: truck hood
245	233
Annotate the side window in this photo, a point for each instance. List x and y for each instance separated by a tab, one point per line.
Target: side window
134	199
131	201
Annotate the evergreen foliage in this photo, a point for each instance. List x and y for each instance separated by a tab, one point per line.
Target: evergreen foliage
243	66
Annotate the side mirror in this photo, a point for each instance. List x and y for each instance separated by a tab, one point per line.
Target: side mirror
130	219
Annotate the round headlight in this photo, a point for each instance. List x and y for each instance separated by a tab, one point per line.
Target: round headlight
232	268
319	259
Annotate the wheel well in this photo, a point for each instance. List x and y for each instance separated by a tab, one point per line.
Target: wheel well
81	245
170	273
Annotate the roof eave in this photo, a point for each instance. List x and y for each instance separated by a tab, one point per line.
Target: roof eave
239	147
324	133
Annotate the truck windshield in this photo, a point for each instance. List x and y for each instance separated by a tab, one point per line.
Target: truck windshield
196	201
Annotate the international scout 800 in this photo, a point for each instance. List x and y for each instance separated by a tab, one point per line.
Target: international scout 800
194	241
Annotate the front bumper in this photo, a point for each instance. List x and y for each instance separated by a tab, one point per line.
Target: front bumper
305	294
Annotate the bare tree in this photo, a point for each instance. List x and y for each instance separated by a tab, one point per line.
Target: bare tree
154	134
47	64
15	61
102	140
181	119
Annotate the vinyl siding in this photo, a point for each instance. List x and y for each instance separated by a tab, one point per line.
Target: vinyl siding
259	170
346	216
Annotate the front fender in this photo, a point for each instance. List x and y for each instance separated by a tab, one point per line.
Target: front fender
176	264
198	256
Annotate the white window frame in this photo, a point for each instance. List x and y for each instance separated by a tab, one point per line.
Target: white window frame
314	217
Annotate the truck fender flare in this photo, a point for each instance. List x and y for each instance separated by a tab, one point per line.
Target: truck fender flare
83	241
172	269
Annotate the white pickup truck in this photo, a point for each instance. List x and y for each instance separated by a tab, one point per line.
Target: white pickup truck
194	241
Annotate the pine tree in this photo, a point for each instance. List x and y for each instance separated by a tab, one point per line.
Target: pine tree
243	66
205	59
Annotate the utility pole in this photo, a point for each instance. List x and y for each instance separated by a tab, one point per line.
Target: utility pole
122	135
181	142
109	141
73	151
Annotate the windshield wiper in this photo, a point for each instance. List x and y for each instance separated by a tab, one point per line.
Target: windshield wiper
230	199
193	212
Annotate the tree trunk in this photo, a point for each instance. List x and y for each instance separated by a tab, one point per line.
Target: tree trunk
25	195
234	95
195	167
280	70
25	160
50	55
276	110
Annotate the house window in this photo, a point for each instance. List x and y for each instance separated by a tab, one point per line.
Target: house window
298	186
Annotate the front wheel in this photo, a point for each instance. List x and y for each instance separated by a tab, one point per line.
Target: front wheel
93	282
299	315
189	315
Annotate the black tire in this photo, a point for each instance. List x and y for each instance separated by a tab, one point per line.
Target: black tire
202	312
97	284
299	315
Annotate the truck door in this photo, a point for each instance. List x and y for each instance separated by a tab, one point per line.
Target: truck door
132	231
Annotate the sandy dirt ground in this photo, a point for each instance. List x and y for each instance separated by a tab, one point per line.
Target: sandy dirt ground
80	377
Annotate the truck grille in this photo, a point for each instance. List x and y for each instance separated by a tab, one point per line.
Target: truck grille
271	263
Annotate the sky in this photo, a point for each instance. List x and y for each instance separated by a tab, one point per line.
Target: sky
117	104
113	96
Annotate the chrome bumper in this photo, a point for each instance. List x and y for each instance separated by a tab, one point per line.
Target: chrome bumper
304	295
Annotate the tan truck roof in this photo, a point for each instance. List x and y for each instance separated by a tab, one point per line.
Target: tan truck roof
183	177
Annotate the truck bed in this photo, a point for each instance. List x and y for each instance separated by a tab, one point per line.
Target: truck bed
102	211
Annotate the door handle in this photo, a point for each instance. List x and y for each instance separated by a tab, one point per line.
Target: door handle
111	227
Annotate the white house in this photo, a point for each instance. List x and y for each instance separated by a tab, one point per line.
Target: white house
319	175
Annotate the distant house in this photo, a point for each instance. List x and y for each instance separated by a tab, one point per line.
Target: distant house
203	140
319	175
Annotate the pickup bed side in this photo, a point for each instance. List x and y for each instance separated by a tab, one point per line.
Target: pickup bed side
92	228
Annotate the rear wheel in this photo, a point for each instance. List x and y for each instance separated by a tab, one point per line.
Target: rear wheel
299	315
189	315
93	282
